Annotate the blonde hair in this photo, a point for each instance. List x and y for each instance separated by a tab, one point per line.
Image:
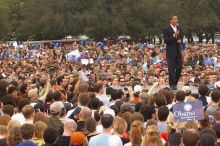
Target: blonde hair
191	125
14	136
120	125
3	130
136	132
39	128
191	99
152	137
13	124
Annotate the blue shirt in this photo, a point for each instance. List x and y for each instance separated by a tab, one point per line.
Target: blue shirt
204	100
27	143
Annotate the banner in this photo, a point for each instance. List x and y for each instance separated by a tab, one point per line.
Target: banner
184	112
87	61
74	55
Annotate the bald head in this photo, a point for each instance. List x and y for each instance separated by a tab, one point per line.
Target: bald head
85	113
69	127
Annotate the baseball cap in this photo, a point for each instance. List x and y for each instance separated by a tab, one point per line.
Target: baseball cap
77	138
102	109
186	89
109	111
56	107
75	112
138	88
32	92
39	107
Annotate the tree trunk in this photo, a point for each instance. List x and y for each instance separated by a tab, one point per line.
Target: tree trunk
213	38
200	37
154	39
160	39
190	38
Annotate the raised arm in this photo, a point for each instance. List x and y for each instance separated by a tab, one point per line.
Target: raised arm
43	98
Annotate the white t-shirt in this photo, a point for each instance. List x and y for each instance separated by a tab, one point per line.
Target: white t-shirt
104	98
105	140
19	117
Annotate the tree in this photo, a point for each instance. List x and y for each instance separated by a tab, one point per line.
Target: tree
4	19
53	19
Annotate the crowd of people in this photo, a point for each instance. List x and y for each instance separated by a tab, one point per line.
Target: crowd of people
122	98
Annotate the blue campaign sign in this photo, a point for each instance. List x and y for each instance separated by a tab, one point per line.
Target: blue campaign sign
188	111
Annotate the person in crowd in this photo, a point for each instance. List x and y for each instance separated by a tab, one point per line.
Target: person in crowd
78	139
136	133
19	116
180	98
83	100
190	137
90	126
3	135
214	105
28	112
39	116
120	129
27	134
50	136
216	127
53	120
125	90
162	115
83	115
69	127
105	138
8	110
39	128
14	136
152	137
203	92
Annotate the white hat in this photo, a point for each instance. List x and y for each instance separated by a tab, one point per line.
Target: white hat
56	107
102	109
138	88
32	92
186	89
106	110
109	111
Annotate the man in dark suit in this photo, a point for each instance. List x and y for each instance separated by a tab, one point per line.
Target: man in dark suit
173	39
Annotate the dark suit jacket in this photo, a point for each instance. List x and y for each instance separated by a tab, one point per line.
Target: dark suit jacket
172	47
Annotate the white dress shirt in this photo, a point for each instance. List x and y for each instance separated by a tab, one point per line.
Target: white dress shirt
174	28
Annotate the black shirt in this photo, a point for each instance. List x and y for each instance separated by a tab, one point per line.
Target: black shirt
124	140
81	126
63	141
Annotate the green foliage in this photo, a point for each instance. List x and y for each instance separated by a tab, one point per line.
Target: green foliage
54	19
4	19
